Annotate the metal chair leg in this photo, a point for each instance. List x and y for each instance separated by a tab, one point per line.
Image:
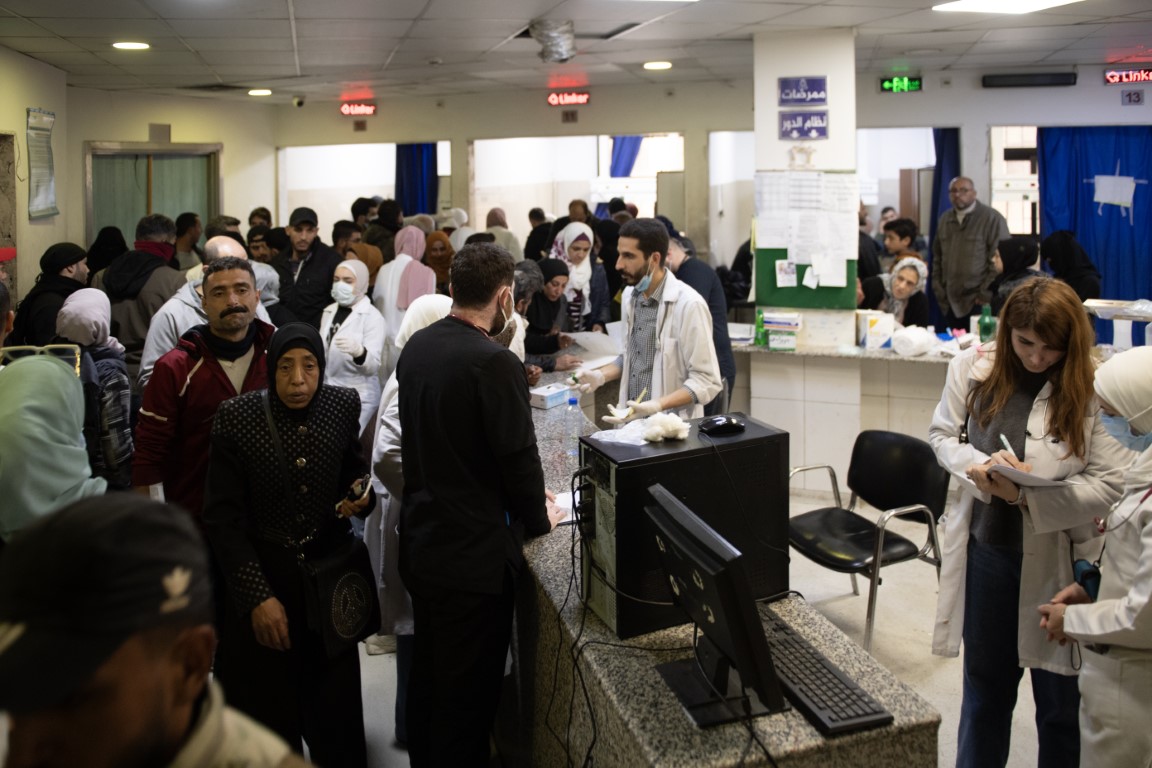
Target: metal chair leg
872	590
855	586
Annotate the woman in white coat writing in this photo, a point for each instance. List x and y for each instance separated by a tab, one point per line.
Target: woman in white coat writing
1026	402
353	334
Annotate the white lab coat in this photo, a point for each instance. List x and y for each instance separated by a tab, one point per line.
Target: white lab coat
1056	520
366	326
685	355
1116	687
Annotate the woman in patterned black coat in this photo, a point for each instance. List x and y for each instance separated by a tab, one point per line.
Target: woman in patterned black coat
256	510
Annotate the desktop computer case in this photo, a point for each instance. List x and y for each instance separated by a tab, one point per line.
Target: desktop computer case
737	484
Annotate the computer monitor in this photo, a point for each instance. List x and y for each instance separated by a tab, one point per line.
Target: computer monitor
709	580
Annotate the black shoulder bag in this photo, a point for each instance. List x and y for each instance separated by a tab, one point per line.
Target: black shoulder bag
340	597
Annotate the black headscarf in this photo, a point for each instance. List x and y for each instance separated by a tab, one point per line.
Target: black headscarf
1017	254
109	244
542	313
293	336
1070	263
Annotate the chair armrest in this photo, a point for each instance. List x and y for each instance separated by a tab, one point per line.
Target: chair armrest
911	509
831	474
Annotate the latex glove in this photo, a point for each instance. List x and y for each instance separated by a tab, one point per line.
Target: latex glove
633	411
350	347
588	381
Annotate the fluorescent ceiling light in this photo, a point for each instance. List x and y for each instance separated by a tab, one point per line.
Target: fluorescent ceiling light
131	46
1001	6
259	92
655	65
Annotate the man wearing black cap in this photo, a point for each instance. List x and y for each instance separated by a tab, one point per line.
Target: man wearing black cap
63	271
131	578
306	268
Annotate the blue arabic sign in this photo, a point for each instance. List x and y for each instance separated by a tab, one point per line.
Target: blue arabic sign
803	126
803	91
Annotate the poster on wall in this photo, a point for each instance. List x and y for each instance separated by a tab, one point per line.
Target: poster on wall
41	173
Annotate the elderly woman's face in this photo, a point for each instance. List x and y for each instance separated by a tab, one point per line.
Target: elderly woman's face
904	283
297	377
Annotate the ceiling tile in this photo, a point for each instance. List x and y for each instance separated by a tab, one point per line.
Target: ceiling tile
219	9
834	16
122	29
12	27
247	58
38	44
670	31
241	43
487	9
358	9
370	29
464	28
232	28
66	9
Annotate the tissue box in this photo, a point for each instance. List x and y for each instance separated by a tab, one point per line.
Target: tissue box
549	396
874	329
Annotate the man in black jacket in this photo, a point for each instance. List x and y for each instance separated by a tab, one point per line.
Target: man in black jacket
306	268
63	271
473	489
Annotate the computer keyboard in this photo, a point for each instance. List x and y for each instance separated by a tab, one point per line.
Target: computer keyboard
831	701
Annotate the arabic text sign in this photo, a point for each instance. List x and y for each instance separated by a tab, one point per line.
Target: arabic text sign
803	91
804	126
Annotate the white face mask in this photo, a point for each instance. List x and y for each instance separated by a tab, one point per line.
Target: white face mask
343	294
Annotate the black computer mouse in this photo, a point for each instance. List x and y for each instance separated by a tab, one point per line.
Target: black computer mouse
720	426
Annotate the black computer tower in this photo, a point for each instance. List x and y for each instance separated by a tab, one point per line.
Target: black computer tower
738	484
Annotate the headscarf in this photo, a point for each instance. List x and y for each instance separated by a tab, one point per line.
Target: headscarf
85	318
1123	382
1066	256
410	241
459	235
109	244
542	311
896	306
552	268
422	313
360	271
372	257
496	218
293	336
443	264
578	275
43	460
1017	254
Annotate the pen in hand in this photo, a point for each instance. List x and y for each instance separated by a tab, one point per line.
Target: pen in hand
1008	446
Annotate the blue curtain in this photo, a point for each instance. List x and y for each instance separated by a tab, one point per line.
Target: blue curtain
947	142
624	152
1117	239
417	179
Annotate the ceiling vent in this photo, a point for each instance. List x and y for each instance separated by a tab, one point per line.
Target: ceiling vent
557	39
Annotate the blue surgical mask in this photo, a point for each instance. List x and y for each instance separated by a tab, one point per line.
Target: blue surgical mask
343	294
646	281
1118	427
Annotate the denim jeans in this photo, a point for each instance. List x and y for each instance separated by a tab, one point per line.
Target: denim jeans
992	672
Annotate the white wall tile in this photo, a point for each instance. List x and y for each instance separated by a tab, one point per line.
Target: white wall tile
874	412
832	380
780	377
830	431
874	377
918	380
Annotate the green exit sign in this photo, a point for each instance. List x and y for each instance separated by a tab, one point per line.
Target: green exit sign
901	84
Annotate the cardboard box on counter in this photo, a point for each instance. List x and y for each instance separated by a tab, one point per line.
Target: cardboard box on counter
549	395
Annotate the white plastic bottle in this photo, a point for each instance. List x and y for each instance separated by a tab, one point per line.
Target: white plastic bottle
573	425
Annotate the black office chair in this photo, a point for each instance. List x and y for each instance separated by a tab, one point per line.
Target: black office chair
895	473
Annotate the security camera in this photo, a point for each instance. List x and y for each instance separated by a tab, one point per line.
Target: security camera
297	101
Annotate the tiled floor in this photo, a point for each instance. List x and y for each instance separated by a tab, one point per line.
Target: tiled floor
904	617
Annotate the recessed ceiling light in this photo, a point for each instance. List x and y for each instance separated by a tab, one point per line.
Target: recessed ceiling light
131	46
260	92
1001	6
657	65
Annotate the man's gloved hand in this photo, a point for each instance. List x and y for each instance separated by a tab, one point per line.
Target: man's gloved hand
350	347
588	381
633	411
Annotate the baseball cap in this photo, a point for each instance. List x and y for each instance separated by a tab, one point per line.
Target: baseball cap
303	216
76	584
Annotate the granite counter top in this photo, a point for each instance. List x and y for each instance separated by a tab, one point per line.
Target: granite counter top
629	717
844	352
